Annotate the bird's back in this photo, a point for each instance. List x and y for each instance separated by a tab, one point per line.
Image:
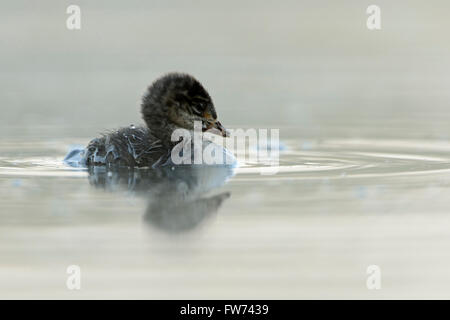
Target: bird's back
129	146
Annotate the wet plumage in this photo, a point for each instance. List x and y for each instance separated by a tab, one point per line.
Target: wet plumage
129	146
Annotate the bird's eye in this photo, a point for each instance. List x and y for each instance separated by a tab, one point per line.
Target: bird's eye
198	109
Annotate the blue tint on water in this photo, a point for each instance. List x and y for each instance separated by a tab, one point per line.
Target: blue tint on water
75	156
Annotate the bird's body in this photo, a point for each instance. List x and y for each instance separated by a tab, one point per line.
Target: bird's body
129	146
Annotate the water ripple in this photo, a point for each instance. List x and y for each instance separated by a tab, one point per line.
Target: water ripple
334	158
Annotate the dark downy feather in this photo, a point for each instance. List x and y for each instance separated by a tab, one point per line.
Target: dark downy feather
129	146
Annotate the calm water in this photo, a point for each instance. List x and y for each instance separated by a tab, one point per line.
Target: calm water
364	178
336	206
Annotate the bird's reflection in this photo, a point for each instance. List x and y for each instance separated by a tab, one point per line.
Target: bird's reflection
176	197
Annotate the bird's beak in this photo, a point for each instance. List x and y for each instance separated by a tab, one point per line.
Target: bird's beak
213	126
222	131
217	128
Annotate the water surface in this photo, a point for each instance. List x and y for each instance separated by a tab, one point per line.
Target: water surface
334	207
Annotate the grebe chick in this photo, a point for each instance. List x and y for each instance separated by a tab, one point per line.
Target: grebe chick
174	101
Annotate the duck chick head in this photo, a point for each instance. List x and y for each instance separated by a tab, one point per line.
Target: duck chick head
175	101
